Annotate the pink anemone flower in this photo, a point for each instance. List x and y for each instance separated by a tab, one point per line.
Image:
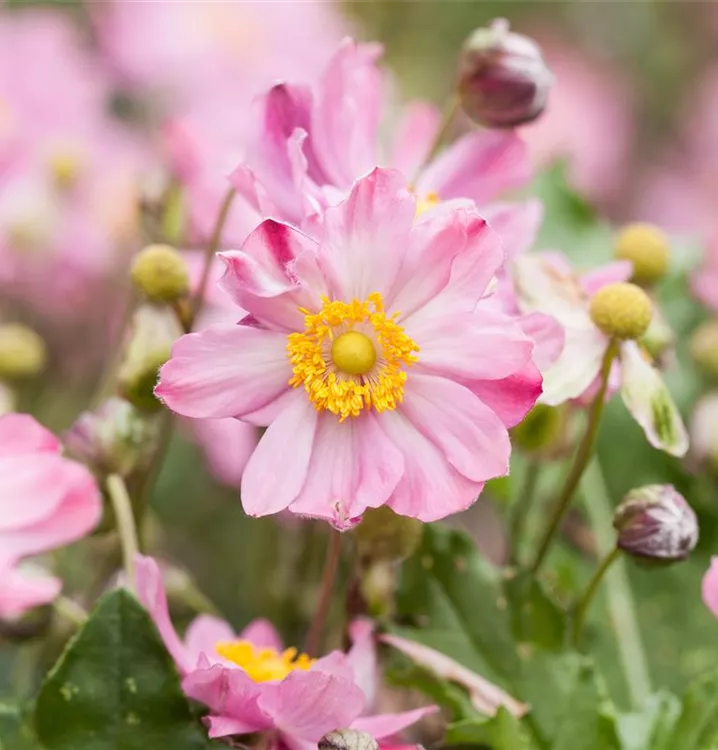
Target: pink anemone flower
310	143
46	501
251	683
372	357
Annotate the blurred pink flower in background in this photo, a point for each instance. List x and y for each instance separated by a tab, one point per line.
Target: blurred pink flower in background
46	501
419	433
588	121
710	587
251	683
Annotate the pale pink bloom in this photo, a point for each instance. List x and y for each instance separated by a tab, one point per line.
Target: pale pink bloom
46	501
546	282
422	423
588	121
710	587
250	683
310	143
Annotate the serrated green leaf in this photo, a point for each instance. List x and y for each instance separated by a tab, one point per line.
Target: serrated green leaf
501	732
15	731
116	688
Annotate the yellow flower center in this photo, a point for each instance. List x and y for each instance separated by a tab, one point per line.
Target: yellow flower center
424	203
351	357
65	166
264	664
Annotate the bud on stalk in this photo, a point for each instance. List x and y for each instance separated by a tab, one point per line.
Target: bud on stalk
348	739
503	79
656	523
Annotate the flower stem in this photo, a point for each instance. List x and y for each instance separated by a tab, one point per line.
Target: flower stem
588	594
452	107
580	462
520	511
125	520
70	611
331	565
620	601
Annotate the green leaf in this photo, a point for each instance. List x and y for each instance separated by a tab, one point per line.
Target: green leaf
535	617
116	688
697	725
646	729
501	732
15	731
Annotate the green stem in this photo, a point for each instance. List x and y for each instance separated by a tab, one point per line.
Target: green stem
583	456
621	606
125	520
331	565
585	601
452	107
521	509
70	611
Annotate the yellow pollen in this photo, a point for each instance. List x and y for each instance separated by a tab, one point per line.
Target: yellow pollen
353	353
264	664
351	357
426	202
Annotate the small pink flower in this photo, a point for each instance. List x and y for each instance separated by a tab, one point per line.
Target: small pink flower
710	587
46	502
251	683
310	143
370	355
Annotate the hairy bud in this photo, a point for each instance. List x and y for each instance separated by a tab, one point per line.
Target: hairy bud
160	273
348	739
655	523
22	352
503	79
621	310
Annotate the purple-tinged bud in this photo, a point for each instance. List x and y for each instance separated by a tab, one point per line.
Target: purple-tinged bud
347	739
503	79
655	523
115	438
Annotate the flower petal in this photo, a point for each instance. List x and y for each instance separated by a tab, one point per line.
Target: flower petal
225	372
709	587
203	634
383	726
267	486
354	466
365	237
20	433
510	398
20	592
227	445
415	135
262	634
362	658
516	223
619	270
647	399
472	437
479	166
548	336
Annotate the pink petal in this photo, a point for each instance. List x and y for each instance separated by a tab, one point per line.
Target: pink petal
431	258
227	445
353	466
307	705
362	658
709	587
479	166
365	237
20	592
262	634
278	468
415	135
225	726
619	270
203	635
335	663
151	592
20	433
510	398
484	345
548	336
225	372
345	119
383	726
517	224
430	488
472	437
261	278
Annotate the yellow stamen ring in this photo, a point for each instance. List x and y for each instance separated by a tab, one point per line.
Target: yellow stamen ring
351	357
264	664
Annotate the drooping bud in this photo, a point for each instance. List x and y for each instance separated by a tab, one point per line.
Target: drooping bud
154	330
703	429
348	739
160	273
115	438
647	247
655	523
621	310
704	347
384	535
22	352
503	79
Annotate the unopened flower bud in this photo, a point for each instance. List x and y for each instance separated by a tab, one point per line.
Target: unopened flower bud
154	330
704	347
384	535
348	739
647	247
621	310
22	351
160	272
655	523
503	79
116	438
